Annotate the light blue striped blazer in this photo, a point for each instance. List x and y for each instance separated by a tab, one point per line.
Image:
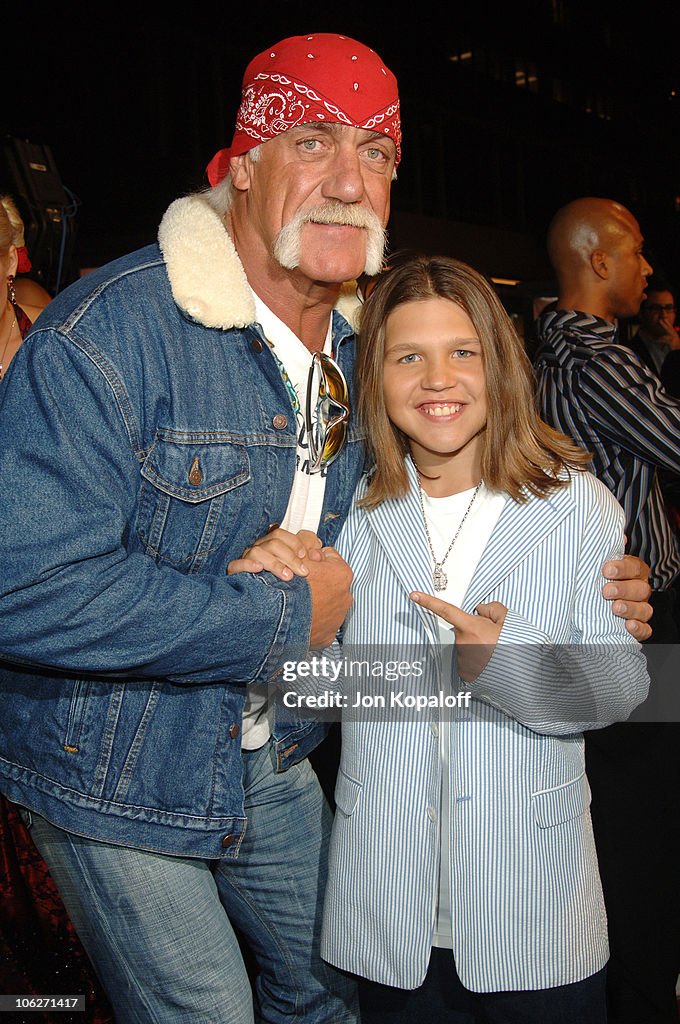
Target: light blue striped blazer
527	902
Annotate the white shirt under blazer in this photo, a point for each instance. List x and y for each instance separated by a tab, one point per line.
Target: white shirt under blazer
527	907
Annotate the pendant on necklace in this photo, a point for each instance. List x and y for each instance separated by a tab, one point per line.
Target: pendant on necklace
439	578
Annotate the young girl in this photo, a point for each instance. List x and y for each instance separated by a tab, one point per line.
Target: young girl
462	839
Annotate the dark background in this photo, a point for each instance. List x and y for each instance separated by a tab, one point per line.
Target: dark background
544	100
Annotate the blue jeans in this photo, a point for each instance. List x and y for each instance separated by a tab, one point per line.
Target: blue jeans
163	932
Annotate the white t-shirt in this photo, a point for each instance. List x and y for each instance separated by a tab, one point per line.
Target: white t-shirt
306	496
443	517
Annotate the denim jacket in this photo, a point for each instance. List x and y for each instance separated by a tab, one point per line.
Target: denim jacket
146	439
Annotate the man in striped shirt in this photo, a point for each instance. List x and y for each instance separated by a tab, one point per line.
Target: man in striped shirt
601	394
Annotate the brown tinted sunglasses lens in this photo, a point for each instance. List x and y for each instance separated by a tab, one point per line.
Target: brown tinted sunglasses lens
334	441
336	386
332	431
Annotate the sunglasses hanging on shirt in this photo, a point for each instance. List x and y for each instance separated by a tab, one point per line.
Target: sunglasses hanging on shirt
327	422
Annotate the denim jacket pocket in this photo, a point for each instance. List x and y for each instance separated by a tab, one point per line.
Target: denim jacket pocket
191	496
555	806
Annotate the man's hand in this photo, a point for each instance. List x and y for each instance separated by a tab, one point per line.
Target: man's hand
329	580
670	336
476	635
287	555
282	553
630	593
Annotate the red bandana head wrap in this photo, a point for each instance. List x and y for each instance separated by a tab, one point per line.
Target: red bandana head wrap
322	77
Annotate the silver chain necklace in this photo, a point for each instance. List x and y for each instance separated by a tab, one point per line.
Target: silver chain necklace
440	580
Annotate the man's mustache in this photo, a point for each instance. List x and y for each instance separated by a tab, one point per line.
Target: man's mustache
288	243
343	214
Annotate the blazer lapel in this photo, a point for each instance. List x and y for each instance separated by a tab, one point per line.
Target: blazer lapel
518	531
398	525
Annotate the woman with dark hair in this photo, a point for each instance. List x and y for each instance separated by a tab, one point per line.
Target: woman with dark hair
462	862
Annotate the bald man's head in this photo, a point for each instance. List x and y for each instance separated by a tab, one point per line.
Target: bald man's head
595	247
584	225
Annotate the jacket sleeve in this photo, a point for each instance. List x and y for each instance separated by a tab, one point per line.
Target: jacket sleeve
595	678
74	595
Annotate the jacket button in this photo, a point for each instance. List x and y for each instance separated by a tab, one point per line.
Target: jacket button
256	345
234	730
195	473
229	841
280	421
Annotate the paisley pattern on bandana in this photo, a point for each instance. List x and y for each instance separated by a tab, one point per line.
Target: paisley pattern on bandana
264	115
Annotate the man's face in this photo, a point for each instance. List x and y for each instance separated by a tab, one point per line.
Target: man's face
628	269
330	172
657	314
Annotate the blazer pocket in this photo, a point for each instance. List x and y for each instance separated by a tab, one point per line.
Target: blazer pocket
347	793
560	804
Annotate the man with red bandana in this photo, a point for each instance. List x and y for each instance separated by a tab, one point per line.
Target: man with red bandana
166	412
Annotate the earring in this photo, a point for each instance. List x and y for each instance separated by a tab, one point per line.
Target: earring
11	294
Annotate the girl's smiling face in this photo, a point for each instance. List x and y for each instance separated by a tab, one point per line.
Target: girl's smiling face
435	388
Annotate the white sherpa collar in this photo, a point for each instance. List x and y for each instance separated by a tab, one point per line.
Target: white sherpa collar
206	275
